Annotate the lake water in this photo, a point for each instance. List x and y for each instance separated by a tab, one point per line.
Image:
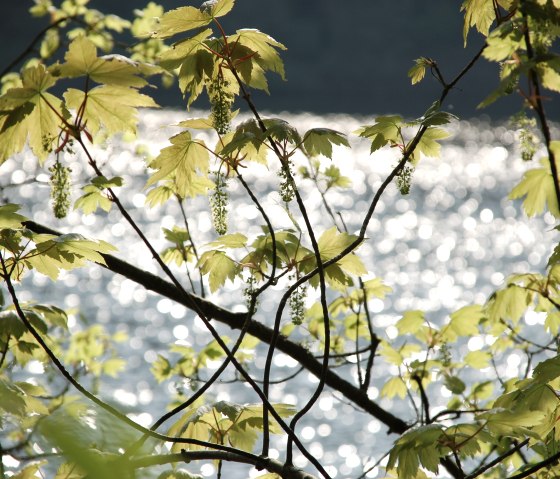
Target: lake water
447	244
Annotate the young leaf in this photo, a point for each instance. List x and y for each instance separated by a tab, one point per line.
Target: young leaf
265	48
386	129
9	218
81	60
30	113
428	145
410	322
182	160
319	141
394	387
219	267
418	71
479	14
181	20
537	189
113	107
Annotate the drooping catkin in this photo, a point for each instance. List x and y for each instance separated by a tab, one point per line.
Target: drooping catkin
60	189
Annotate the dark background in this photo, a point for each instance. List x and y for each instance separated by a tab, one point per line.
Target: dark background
348	56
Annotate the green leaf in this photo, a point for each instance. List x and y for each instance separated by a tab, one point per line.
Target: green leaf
9	218
428	144
537	189
31	114
376	288
12	399
219	267
110	106
454	384
319	141
478	359
418	71
281	131
254	54
503	42
81	60
547	370
463	323
479	14
218	8
92	200
182	160
332	242
386	129
181	20
509	303
394	387
234	240
411	322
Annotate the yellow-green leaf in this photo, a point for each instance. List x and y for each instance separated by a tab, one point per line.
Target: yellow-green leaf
30	113
181	20
9	218
109	106
537	189
410	322
182	160
479	14
394	387
81	59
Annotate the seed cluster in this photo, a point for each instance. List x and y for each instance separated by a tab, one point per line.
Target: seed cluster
404	179
60	189
218	204
221	101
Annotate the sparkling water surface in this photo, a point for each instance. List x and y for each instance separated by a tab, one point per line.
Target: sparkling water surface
447	244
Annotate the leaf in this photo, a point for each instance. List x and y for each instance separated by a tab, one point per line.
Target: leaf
234	240
182	160
281	131
319	141
332	242
217	8
109	106
30	114
503	42
376	288
547	370
9	218
411	322
82	60
12	400
386	129
478	359
428	144
265	47
463	323
509	303
479	14
219	267
181	20
418	71
537	189
454	384
394	387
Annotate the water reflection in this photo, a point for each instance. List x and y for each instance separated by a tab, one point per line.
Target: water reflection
447	244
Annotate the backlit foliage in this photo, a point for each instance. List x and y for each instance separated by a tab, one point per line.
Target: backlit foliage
83	88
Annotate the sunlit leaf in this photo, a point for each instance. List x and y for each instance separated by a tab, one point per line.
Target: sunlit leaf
320	141
219	268
479	14
537	190
112	107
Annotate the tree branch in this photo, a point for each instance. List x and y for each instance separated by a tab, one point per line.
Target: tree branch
235	321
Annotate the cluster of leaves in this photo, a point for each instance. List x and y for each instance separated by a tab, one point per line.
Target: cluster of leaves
483	421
